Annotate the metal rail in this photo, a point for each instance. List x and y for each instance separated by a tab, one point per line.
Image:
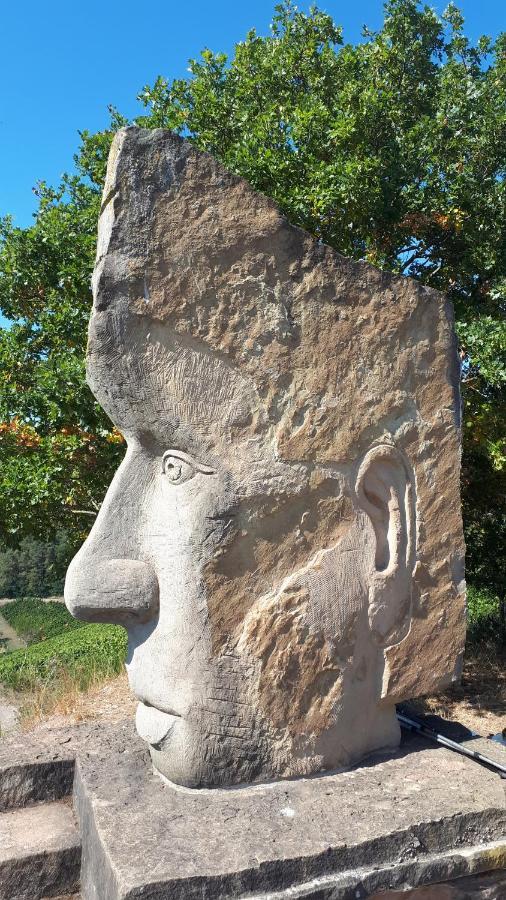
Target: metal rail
420	728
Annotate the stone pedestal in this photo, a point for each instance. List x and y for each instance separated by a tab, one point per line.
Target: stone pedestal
421	816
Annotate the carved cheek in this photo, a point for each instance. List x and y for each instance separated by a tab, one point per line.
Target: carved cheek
186	520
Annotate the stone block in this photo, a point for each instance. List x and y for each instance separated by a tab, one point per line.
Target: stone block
424	815
40	852
283	540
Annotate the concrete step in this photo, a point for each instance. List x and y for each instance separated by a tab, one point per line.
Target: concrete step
40	852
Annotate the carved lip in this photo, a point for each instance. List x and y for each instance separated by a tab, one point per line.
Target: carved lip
163	709
153	724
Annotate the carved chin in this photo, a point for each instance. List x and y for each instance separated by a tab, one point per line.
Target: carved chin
173	746
153	725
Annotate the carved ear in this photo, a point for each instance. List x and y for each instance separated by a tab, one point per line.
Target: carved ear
385	490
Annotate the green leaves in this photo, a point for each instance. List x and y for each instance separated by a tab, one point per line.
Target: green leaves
391	150
77	658
37	620
57	447
483	340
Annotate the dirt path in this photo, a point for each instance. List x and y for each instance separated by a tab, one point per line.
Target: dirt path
8	637
9	712
56	599
9	716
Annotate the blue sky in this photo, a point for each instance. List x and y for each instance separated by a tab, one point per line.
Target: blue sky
62	63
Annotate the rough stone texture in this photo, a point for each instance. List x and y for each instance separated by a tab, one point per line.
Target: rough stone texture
491	886
423	815
66	897
22	784
283	540
40	852
38	766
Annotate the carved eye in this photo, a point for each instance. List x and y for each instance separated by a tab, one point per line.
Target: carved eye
178	467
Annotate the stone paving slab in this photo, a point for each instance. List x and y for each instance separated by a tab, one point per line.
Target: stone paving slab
39	765
424	814
488	886
40	850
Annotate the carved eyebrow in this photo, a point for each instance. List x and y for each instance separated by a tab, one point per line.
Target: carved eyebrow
185	457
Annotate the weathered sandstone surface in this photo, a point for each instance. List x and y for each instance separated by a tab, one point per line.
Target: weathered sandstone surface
283	540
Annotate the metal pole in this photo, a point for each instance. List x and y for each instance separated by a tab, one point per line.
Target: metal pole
432	735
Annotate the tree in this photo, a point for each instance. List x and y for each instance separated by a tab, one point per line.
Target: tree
10	582
34	568
392	150
58	450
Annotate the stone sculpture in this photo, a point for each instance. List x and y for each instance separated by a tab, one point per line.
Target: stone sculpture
283	539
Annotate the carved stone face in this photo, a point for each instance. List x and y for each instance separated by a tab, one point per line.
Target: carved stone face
259	541
243	580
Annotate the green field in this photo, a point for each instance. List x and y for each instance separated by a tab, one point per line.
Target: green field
35	620
486	619
59	647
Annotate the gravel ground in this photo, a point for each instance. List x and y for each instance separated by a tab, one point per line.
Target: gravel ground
479	702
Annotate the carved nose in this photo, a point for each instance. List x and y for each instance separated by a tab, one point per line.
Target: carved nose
122	591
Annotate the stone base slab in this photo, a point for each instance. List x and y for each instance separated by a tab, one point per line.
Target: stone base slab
421	816
40	851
